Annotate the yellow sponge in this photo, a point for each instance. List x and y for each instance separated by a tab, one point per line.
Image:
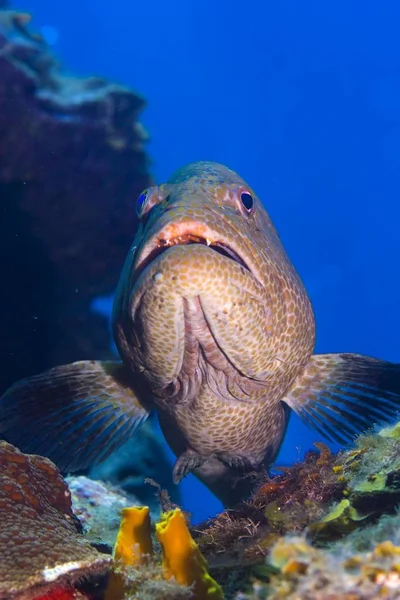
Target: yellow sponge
182	558
132	547
134	536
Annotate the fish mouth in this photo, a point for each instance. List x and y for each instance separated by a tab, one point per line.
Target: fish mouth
163	243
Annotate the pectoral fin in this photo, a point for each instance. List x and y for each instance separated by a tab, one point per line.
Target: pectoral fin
340	395
76	414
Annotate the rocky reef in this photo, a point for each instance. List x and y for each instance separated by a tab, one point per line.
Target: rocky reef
42	548
72	163
327	528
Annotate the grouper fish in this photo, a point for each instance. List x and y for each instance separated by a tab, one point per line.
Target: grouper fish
216	333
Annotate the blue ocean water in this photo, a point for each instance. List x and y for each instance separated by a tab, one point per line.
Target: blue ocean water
303	100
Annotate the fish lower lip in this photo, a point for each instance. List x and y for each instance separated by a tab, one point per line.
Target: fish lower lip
190	239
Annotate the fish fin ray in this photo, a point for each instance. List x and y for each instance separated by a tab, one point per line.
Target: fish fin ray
341	395
75	414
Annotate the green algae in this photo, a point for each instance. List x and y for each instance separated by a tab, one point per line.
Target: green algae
343	506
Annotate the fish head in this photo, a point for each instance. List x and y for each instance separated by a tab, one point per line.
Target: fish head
207	292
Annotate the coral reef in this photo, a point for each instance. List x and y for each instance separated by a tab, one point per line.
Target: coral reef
311	574
72	164
241	537
327	528
47	553
148	583
41	547
98	507
345	507
371	474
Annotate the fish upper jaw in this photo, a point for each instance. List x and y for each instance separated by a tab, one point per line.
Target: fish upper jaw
191	231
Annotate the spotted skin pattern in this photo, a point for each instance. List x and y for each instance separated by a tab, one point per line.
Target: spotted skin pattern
217	343
216	333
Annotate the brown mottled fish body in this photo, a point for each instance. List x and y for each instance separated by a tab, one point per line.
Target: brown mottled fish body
217	343
216	333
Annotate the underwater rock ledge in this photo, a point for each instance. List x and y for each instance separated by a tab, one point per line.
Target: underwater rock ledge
72	163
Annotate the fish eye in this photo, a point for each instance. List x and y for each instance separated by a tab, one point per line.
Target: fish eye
247	201
147	200
141	201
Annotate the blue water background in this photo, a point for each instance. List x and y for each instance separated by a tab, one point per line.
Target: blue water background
303	100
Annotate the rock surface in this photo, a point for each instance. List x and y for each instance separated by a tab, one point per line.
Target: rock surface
72	163
41	546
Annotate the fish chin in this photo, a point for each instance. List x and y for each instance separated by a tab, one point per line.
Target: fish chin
177	371
200	317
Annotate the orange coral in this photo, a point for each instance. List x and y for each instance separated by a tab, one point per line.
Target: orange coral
41	550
